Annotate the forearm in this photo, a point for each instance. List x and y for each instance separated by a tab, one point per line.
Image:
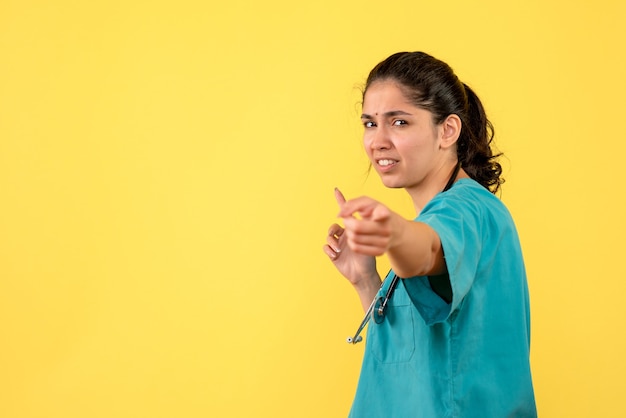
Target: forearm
415	250
367	289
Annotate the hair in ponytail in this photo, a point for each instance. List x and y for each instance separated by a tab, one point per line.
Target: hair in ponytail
432	85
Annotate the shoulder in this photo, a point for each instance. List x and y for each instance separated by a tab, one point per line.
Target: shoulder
467	202
468	189
466	194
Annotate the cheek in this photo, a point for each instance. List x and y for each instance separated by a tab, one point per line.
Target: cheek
419	145
367	144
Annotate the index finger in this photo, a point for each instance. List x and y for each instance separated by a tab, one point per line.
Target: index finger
339	197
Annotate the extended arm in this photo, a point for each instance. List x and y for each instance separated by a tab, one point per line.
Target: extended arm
413	248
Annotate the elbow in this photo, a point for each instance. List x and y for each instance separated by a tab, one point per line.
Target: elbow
430	267
431	263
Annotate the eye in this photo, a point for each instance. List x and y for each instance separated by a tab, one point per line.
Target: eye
399	122
369	124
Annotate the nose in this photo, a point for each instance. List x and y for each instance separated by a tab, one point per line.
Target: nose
379	138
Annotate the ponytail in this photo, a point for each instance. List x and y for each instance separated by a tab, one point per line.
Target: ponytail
474	145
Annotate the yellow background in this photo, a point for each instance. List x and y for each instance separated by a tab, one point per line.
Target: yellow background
166	178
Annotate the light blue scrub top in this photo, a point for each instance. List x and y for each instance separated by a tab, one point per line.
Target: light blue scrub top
469	358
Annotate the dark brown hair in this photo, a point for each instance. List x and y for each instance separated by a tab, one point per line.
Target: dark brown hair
432	85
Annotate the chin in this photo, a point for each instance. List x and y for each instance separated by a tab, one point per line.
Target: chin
392	184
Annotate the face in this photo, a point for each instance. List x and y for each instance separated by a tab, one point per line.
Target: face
401	140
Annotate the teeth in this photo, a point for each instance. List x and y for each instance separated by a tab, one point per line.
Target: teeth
385	163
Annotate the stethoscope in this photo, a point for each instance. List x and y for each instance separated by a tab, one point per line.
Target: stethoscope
377	308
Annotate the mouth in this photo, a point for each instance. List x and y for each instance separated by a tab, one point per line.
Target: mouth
386	163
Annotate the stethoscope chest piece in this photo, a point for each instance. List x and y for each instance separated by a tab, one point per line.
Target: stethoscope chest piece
378	313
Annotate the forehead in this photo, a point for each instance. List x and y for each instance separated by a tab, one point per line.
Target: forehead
383	94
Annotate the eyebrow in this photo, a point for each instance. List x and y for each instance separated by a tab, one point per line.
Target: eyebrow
389	114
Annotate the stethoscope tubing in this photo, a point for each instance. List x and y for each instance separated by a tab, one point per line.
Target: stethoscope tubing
357	335
377	310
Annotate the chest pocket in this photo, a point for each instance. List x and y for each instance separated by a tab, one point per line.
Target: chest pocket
393	340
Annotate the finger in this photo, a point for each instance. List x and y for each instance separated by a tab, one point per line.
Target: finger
330	252
359	240
333	242
339	197
365	249
380	213
361	205
335	231
366	227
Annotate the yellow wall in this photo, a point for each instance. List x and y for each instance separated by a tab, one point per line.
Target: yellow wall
166	177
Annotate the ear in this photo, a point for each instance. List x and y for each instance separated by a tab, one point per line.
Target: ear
450	130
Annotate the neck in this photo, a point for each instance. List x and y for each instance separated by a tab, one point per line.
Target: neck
444	179
453	176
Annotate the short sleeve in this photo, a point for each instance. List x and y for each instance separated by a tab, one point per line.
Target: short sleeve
457	222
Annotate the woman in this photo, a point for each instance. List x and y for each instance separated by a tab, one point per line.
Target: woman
453	338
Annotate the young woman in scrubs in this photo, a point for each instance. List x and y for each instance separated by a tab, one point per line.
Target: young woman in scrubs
454	339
